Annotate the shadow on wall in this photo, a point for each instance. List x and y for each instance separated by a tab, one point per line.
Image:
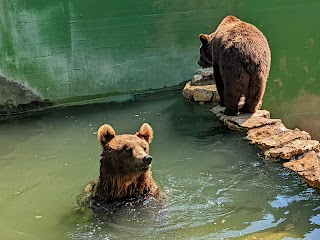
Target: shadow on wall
16	97
304	114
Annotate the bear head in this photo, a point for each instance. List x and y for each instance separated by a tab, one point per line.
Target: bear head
126	154
206	41
205	60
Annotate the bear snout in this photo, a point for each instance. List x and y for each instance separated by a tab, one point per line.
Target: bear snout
147	159
203	63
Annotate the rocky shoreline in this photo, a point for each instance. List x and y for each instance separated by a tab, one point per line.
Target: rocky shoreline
294	148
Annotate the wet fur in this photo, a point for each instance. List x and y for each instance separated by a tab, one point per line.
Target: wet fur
240	56
124	176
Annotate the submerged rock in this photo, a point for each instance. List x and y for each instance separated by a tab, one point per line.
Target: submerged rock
292	149
276	233
308	167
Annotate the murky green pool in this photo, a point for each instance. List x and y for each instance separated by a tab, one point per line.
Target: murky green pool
216	184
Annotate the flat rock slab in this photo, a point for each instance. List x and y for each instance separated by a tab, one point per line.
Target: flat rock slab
245	123
308	167
219	111
292	149
207	93
281	139
256	134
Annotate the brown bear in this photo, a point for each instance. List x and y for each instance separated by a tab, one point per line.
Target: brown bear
125	165
240	56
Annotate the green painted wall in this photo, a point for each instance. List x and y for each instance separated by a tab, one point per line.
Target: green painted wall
67	48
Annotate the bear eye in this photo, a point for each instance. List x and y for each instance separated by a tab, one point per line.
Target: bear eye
126	148
145	148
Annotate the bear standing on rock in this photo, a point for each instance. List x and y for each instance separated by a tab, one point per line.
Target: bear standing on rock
124	169
240	56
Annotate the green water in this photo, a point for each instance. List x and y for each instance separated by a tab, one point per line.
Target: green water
217	186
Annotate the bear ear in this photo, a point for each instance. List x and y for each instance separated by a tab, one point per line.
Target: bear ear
105	134
145	132
204	38
229	19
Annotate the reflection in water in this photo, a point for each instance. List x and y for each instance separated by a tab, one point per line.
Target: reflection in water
215	183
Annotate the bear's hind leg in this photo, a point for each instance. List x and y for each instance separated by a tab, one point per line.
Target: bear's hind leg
236	80
254	94
231	101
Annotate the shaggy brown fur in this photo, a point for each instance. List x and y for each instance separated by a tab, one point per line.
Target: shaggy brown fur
240	56
124	167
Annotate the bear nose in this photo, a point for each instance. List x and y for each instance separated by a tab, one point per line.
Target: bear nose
147	159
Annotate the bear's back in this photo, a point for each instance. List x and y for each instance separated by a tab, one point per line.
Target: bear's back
242	42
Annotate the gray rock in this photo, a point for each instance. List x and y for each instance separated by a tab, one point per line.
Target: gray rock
196	78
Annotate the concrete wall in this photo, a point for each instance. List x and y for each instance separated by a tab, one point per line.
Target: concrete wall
67	50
